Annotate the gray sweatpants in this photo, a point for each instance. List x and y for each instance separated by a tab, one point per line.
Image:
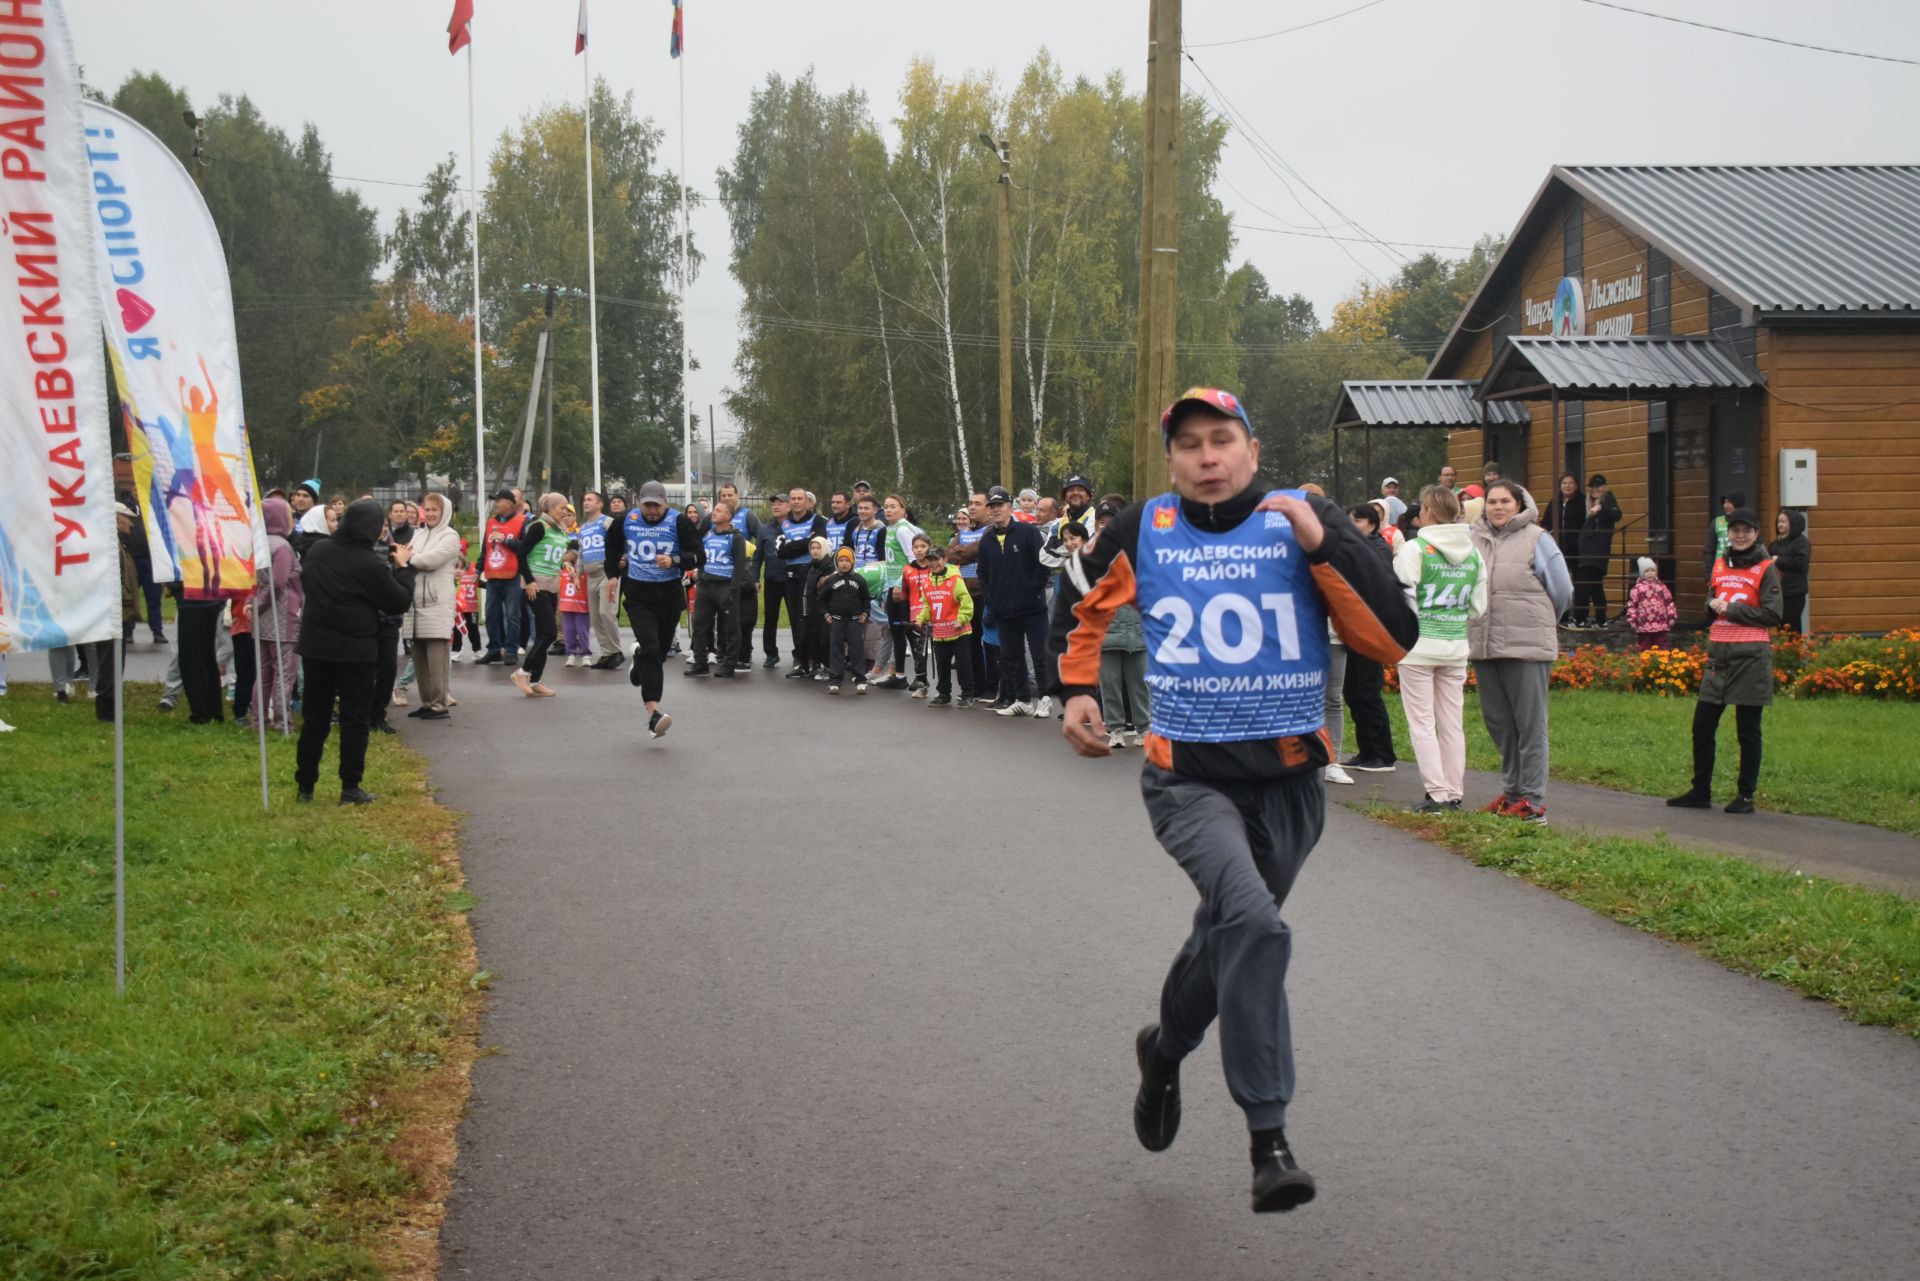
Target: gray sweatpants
1242	845
1336	694
1513	703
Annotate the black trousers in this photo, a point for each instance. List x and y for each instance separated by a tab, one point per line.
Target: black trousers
716	626
799	620
654	611
1589	588
746	605
351	684
546	627
1706	723
386	667
1372	731
1793	609
199	624
847	650
1021	639
770	625
245	671
150	591
947	655
105	679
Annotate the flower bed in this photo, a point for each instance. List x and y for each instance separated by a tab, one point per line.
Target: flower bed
1803	667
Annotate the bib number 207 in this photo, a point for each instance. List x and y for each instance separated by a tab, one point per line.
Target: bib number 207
1251	623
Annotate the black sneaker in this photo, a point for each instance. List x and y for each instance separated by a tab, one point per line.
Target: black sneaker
724	672
304	795
1430	806
963	703
698	669
1279	1184
1368	765
1156	1108
356	796
381	727
892	682
771	662
940	700
491	656
1740	805
434	714
798	674
659	723
1690	801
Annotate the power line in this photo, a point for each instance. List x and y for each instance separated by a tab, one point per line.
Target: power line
1215	44
1751	35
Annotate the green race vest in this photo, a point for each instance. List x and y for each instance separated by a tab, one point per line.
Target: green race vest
1719	537
548	554
1444	593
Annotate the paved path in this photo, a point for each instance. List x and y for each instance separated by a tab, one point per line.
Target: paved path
845	988
1791	842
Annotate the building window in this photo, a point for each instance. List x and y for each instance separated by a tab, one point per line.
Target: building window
1659	292
1659	479
1574	237
1576	461
1723	319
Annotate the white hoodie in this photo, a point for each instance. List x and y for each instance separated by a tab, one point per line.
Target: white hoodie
1455	542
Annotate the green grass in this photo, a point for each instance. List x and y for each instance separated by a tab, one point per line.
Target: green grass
1847	758
297	994
1856	948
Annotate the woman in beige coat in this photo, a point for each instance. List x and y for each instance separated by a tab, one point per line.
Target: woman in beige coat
436	579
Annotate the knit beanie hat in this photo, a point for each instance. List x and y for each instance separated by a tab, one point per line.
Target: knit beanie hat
1644	564
845	553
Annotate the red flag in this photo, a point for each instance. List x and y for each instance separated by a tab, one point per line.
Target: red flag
458	37
580	32
678	40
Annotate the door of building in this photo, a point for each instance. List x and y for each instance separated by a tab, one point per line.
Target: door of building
1734	431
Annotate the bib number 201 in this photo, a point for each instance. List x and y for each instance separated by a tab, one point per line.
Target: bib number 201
1251	625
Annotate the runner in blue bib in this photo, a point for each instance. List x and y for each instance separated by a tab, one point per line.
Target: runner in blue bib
1235	586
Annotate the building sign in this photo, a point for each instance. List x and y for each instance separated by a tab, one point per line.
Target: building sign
1566	315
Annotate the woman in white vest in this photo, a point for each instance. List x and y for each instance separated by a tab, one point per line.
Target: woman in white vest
429	625
1513	644
1444	574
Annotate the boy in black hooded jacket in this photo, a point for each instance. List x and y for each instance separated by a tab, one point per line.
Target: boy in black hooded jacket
845	599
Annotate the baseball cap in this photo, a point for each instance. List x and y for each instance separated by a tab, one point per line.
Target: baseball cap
1076	481
1742	516
1195	398
998	495
653	492
1391	480
861	484
1596	480
507	494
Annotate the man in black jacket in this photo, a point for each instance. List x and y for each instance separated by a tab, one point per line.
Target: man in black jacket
348	587
1595	551
1236	588
1013	584
656	546
793	542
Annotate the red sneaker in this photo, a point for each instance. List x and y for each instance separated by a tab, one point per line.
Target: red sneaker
1498	805
1527	812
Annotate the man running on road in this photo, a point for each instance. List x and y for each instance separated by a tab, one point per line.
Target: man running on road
658	545
1235	587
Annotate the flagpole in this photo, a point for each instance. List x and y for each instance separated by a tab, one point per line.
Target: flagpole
686	405
119	813
593	298
479	402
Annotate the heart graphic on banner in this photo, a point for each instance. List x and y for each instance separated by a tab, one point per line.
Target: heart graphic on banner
135	311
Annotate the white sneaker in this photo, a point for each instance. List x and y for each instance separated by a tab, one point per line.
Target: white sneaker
457	657
1017	708
1044	708
399	698
1115	738
1334	774
835	689
860	688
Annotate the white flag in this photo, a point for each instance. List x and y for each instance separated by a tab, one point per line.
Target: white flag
59	550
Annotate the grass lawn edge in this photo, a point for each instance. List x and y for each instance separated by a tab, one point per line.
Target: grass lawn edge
1855	948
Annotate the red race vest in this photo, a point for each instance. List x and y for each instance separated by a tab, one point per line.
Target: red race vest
500	561
467	598
942	598
1736	587
573	591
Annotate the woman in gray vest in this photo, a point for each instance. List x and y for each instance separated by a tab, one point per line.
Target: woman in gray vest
1513	644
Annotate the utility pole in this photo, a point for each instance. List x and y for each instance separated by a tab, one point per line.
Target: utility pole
713	452
1004	150
1155	366
546	466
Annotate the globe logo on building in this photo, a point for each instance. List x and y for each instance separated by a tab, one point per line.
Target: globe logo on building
1569	310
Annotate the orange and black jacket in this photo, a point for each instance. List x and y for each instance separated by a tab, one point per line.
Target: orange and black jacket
1367	605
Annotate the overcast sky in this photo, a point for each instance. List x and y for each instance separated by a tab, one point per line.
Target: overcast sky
1428	121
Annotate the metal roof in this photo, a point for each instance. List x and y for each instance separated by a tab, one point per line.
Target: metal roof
1786	238
1612	368
1418	402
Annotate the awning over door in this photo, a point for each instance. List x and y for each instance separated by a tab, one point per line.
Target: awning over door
1533	367
1419	402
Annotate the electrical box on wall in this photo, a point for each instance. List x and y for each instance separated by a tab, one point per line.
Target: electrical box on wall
1799	478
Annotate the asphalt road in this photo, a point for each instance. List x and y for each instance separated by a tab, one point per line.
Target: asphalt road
846	988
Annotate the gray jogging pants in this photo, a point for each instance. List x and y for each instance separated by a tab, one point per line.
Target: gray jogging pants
1513	703
1242	845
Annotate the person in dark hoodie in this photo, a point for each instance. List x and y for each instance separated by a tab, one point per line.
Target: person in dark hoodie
844	599
1745	597
1236	587
1792	554
348	586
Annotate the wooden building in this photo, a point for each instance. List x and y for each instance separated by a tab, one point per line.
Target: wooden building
1691	332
